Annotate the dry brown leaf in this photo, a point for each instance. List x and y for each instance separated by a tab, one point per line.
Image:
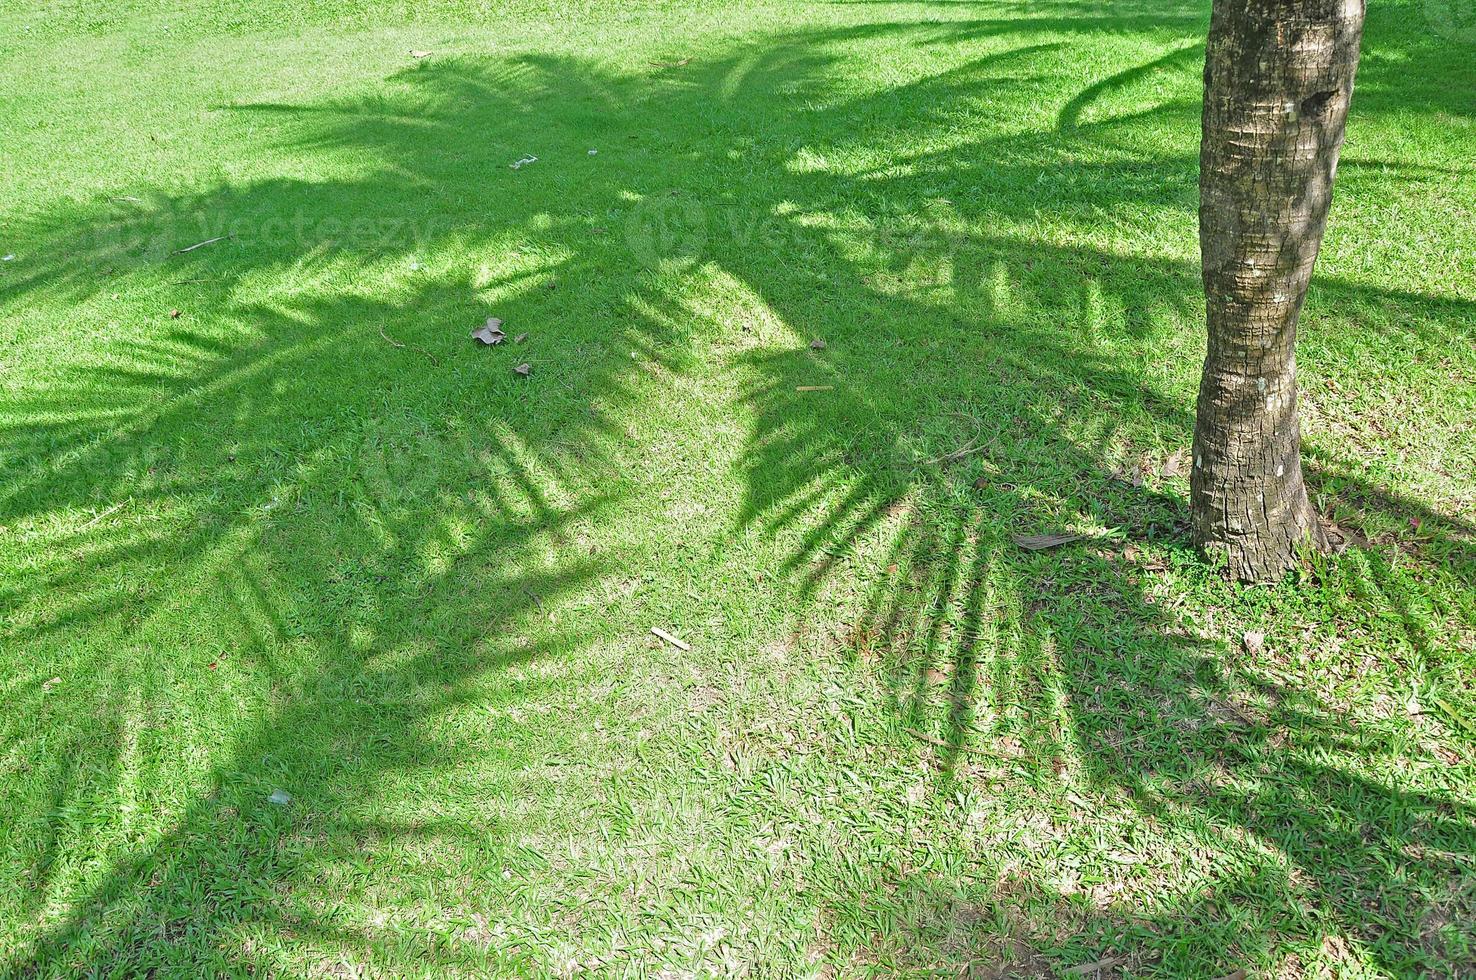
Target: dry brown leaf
490	333
1174	465
1344	538
1130	475
1445	755
524	369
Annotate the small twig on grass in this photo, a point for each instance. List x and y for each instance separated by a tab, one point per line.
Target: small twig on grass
669	638
972	447
968	448
208	241
1105	963
814	387
105	514
395	343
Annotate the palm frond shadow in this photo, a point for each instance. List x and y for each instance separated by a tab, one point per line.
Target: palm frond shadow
861	489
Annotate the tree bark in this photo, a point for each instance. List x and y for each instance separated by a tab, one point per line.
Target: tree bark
1278	78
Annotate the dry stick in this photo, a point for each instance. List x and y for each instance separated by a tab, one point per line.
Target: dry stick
107	513
395	343
958	454
814	387
972	446
208	241
1106	963
669	638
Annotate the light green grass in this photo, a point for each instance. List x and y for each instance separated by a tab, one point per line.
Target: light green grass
307	536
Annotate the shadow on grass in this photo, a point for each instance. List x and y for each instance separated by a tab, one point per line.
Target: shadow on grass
354	560
382	520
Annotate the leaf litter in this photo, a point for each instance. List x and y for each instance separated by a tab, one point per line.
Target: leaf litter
490	333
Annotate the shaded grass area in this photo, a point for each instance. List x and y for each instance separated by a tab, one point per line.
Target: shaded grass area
305	536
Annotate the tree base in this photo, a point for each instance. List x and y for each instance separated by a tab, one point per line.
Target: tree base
1258	546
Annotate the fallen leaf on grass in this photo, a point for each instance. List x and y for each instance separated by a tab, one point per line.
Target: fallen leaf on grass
280	797
817	344
1040	542
1129	475
51	683
1343	538
174	314
490	333
1174	465
1444	754
1254	641
420	54
524	369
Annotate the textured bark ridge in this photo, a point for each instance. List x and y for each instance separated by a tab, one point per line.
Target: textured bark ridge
1278	78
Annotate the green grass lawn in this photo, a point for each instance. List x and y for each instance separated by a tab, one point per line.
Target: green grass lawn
271	520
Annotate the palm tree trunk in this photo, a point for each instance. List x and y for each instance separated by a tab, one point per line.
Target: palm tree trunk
1278	78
